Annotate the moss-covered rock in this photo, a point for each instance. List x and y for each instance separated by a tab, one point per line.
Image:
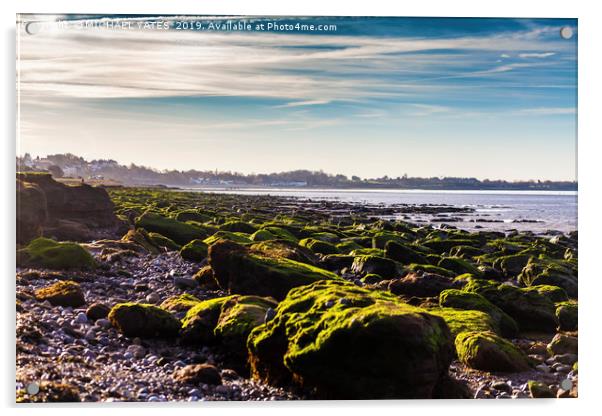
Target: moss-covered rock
567	314
263	235
347	246
199	323
281	233
368	264
239	270
420	285
162	241
459	266
141	240
226	321
287	249
239	238
563	344
381	239
546	271
192	215
403	254
554	293
196	250
336	262
488	352
239	315
180	303
349	342
143	320
177	231
238	227
63	293
453	298
444	245
204	277
531	310
539	390
318	246
429	268
461	320
50	254
511	265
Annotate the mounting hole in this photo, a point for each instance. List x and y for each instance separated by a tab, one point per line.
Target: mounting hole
33	389
566	32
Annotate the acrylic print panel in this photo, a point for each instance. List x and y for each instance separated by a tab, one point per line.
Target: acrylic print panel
289	208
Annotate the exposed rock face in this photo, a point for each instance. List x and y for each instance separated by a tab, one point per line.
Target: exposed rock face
53	209
31	211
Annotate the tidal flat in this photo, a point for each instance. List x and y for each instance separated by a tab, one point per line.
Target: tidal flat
147	294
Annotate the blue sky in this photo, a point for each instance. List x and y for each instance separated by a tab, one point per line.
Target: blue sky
486	98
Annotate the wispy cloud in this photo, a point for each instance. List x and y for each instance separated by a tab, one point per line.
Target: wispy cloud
537	55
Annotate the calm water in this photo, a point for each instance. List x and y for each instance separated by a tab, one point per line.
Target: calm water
498	210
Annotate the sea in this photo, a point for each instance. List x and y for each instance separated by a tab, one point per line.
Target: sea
537	211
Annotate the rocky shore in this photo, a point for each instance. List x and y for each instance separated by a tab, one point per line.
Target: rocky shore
182	296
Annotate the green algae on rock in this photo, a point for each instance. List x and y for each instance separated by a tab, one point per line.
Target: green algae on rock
461	320
368	264
319	246
180	232
488	352
531	310
162	241
459	299
403	254
196	250
44	252
348	342
143	320
567	314
63	293
180	303
239	270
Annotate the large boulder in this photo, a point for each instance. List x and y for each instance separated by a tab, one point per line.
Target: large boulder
79	213
143	320
488	352
50	254
240	270
346	342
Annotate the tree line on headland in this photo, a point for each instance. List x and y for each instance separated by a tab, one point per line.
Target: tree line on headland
69	165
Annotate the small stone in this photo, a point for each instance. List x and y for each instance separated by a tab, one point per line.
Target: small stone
543	368
198	373
229	374
153	298
81	318
97	311
502	386
103	323
185	282
137	350
538	389
568	359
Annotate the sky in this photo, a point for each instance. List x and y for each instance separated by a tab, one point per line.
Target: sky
469	97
